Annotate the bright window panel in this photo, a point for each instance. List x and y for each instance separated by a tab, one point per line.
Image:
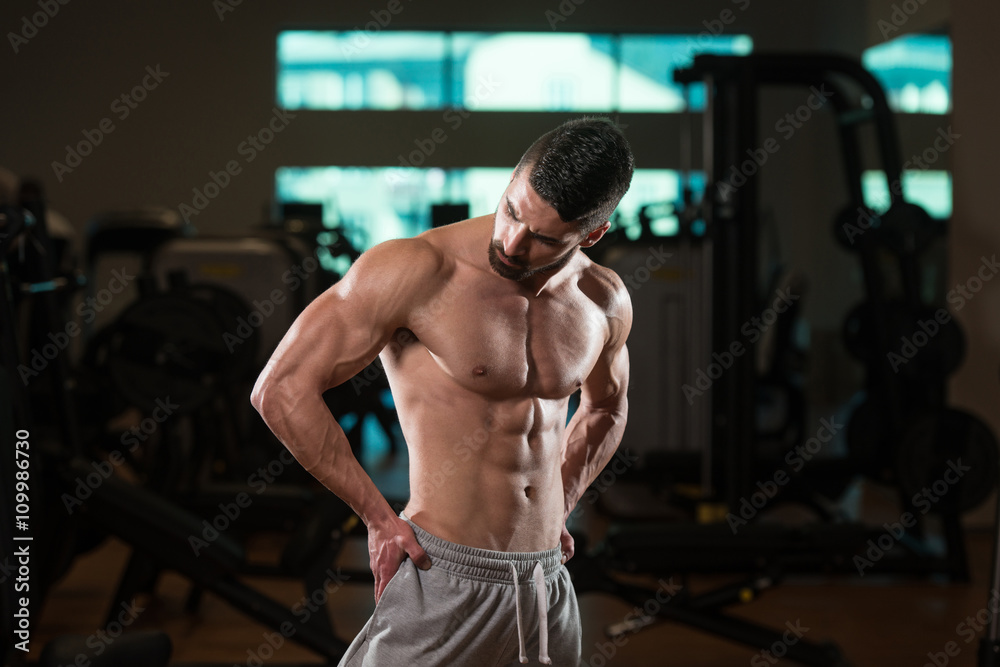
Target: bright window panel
931	189
646	82
534	71
359	70
509	71
375	204
915	71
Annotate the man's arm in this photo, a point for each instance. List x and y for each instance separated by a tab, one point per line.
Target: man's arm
596	429
334	338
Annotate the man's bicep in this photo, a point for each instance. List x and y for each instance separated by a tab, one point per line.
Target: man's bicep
607	385
345	328
332	340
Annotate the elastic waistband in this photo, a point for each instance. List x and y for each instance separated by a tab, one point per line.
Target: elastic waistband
485	564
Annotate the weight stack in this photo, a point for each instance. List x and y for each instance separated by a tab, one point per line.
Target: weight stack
669	280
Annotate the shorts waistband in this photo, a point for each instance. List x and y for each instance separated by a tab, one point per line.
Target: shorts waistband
485	564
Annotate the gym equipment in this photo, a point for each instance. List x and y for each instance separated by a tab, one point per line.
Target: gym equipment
733	439
989	645
276	276
55	536
908	228
158	530
668	284
174	344
948	458
942	344
644	549
161	533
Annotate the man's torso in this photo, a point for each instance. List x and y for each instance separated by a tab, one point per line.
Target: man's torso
481	378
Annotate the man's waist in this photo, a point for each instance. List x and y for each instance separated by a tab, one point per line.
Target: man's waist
480	564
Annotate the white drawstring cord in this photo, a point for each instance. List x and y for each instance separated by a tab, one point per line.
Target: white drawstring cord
523	655
543	616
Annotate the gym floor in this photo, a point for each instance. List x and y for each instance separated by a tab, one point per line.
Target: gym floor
875	620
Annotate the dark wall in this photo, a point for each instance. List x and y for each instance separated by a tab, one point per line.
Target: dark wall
220	89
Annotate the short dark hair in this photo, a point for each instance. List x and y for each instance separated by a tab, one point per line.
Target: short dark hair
582	168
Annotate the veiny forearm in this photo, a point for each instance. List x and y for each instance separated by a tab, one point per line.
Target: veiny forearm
302	422
592	437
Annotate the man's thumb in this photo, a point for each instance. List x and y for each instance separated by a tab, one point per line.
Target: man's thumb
419	557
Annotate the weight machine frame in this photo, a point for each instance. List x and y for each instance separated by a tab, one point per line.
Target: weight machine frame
731	217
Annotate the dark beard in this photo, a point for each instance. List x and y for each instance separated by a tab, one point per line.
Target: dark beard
519	274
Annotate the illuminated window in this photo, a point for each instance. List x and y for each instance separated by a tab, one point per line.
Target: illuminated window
930	189
649	61
915	71
375	204
352	70
511	71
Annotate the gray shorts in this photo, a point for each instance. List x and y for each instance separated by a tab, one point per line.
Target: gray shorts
471	609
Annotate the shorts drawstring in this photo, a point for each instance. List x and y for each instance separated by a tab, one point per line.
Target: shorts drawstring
543	615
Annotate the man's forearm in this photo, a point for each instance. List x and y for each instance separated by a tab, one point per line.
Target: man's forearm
592	437
306	428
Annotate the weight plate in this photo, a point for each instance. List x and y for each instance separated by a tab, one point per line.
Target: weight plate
168	346
947	461
230	309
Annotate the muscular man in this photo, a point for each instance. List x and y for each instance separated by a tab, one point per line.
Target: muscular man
485	328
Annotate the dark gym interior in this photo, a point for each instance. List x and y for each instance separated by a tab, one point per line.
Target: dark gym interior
809	471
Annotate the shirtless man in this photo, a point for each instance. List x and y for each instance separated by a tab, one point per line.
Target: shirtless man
485	328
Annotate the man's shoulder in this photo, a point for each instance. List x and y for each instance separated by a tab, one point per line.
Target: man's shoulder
604	287
409	258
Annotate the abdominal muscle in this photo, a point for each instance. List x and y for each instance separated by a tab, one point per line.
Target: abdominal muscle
484	472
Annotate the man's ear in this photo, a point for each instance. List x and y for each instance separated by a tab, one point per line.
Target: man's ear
595	236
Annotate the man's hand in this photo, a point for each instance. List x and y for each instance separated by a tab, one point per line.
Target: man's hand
388	546
567	543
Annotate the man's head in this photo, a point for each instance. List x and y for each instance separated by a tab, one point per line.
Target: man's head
561	195
582	168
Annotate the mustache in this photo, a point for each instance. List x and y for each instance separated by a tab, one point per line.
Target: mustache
499	250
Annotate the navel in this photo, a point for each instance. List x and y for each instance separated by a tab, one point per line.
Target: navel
528	491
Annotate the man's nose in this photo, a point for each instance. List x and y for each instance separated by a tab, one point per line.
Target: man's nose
513	242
